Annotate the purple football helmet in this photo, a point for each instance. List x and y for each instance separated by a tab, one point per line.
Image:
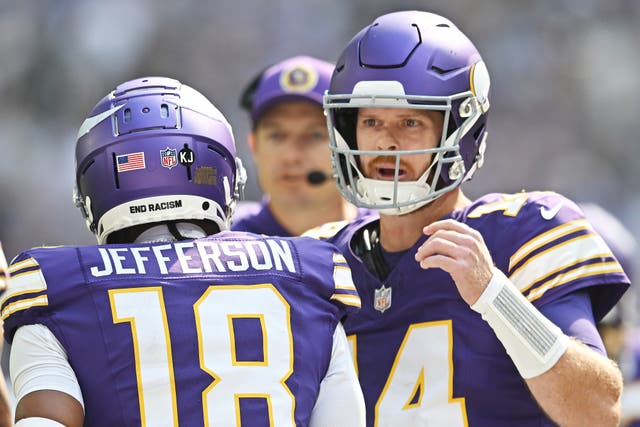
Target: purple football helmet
409	59
155	150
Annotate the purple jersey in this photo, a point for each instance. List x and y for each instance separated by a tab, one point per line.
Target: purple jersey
256	217
203	332
425	358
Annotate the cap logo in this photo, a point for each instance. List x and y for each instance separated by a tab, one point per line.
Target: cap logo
299	79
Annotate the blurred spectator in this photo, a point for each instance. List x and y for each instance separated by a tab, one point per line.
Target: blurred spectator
290	146
620	334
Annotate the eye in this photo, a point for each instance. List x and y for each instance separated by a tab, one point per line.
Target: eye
369	123
411	123
275	136
319	136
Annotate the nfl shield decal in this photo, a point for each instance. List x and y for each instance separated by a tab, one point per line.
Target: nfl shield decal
169	157
382	299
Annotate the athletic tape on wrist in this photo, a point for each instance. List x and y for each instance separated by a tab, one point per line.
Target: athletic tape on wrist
534	343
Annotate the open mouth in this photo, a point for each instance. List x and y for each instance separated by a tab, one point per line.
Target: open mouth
389	173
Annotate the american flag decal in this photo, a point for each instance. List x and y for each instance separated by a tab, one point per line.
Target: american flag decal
131	161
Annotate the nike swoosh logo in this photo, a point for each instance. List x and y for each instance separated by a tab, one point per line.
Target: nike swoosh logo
550	213
91	122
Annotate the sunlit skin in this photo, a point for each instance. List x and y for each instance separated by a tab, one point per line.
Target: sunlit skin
397	129
289	141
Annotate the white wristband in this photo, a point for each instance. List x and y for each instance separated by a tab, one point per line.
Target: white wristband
37	422
534	343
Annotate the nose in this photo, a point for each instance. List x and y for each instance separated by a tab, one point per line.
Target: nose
386	141
291	153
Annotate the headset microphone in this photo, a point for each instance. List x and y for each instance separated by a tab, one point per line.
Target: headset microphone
316	177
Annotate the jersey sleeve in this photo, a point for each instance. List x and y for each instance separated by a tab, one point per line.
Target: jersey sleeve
340	400
344	290
39	362
573	314
25	300
327	267
557	251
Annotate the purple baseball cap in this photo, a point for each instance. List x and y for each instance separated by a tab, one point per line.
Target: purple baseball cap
293	79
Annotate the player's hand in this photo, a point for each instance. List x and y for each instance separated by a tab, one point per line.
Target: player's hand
460	251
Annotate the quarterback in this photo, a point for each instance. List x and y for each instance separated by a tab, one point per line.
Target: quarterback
474	312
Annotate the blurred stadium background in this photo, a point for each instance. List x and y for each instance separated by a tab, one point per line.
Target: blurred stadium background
565	87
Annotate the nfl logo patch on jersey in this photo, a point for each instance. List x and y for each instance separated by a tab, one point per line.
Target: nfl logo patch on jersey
382	299
169	157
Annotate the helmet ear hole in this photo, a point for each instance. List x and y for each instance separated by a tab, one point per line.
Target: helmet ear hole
218	150
116	178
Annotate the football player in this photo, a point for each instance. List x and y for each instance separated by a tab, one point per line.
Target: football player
474	312
289	142
156	329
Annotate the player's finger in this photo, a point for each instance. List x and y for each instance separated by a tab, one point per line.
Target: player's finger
438	261
455	259
455	241
455	236
443	224
451	225
436	245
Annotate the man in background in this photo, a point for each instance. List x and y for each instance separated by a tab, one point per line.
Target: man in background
290	145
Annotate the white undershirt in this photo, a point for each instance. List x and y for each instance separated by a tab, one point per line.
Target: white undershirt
39	362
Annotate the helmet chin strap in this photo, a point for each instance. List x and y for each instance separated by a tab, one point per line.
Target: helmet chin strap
171	232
